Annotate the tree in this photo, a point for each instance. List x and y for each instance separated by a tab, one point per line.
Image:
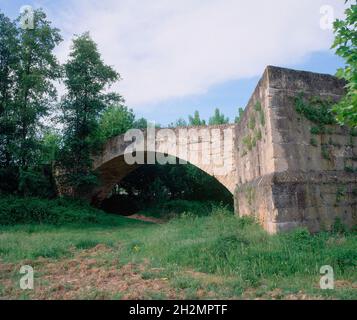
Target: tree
141	123
180	123
346	47
86	79
34	91
218	118
195	120
8	64
240	115
115	120
50	147
28	68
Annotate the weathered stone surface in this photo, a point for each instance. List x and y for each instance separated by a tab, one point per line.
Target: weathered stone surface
300	186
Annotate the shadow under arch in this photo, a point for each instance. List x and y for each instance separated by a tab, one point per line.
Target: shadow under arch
113	172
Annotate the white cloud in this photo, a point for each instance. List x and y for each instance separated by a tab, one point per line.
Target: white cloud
173	48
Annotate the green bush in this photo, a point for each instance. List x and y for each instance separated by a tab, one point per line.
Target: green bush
37	182
315	109
15	210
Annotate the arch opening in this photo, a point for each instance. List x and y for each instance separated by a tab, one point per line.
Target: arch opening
128	189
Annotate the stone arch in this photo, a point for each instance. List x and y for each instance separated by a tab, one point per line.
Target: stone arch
111	166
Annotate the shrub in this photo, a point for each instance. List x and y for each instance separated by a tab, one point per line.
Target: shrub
16	210
315	109
338	226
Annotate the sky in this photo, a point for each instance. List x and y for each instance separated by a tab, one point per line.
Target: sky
178	56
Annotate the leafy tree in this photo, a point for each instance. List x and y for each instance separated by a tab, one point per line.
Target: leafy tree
115	120
8	65
50	147
35	91
195	120
34	94
86	79
346	47
28	69
218	118
141	123
179	123
240	115
38	179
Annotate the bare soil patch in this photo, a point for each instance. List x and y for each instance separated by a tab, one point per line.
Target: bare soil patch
84	277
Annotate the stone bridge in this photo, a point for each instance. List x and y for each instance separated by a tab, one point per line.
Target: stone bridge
210	148
280	167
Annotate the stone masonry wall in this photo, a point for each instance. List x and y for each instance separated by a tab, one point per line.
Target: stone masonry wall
306	179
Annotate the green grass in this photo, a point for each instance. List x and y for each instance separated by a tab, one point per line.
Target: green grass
224	245
216	253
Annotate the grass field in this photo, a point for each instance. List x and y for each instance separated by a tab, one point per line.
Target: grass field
213	256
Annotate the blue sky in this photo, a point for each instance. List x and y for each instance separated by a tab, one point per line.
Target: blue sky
231	95
179	56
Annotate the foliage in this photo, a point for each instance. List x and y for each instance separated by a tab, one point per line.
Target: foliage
258	108
325	152
313	142
8	64
35	89
238	119
30	210
178	207
252	122
195	120
258	135
218	118
15	210
50	147
249	142
27	92
350	169
346	47
150	185
9	177
37	181
86	79
315	109
114	121
141	123
180	123
171	209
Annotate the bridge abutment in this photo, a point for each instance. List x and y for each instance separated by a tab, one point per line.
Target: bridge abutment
302	170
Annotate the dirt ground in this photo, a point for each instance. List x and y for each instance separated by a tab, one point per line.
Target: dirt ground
84	277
